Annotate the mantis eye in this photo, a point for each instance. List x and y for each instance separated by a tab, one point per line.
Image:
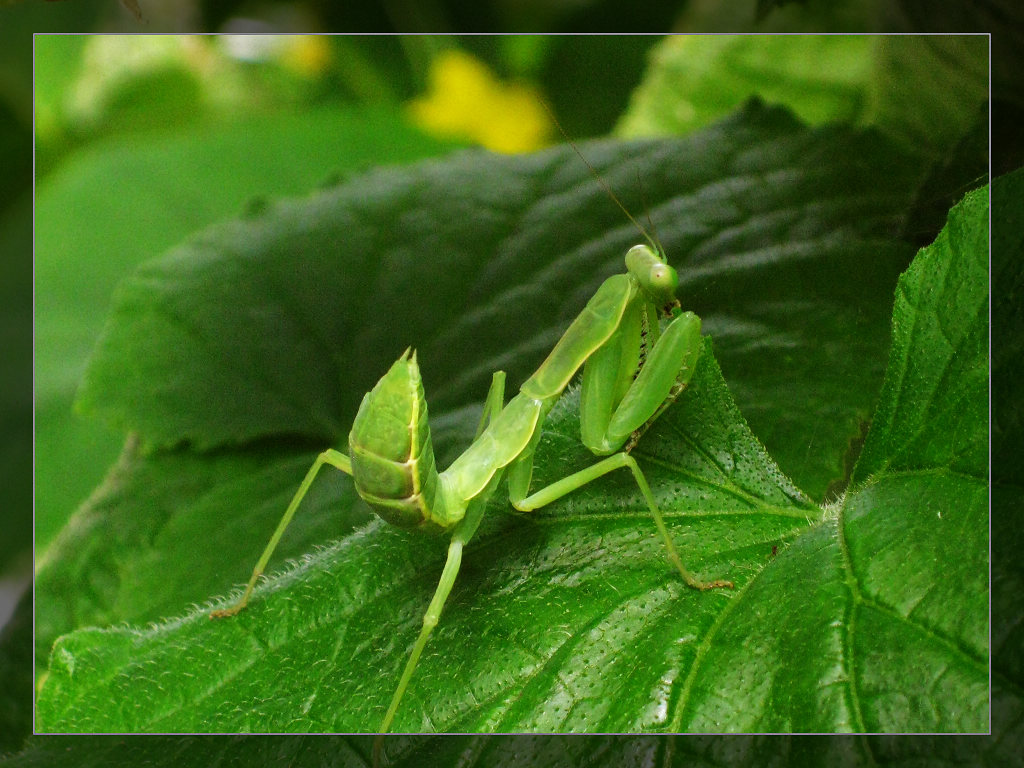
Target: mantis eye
663	278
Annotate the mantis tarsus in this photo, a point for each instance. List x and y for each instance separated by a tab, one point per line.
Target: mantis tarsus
632	370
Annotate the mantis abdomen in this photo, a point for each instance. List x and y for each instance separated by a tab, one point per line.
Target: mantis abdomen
392	456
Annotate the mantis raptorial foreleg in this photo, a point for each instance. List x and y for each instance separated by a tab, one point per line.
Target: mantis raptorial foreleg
632	369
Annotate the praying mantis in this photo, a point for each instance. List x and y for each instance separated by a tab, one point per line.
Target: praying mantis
638	350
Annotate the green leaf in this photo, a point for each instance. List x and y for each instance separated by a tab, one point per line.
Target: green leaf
566	619
923	476
923	90
930	417
526	580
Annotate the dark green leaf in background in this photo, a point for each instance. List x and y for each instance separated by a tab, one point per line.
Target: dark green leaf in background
727	204
927	89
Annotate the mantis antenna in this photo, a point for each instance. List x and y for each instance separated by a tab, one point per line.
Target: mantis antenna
600	180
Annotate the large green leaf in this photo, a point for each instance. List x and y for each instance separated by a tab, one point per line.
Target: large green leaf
569	619
793	279
540	599
924	477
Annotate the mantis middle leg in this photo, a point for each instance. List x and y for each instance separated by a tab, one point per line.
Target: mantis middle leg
577	480
608	418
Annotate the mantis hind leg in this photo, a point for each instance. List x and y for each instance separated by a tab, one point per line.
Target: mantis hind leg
430	619
337	460
492	407
463	533
572	482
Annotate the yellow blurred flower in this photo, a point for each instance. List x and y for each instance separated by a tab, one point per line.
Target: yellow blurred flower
307	55
465	100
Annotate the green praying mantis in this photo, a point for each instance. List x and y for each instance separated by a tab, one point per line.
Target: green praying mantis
638	351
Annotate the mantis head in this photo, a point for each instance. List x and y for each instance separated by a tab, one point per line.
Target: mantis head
656	277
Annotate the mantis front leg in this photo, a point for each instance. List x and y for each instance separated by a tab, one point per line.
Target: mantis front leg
612	404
